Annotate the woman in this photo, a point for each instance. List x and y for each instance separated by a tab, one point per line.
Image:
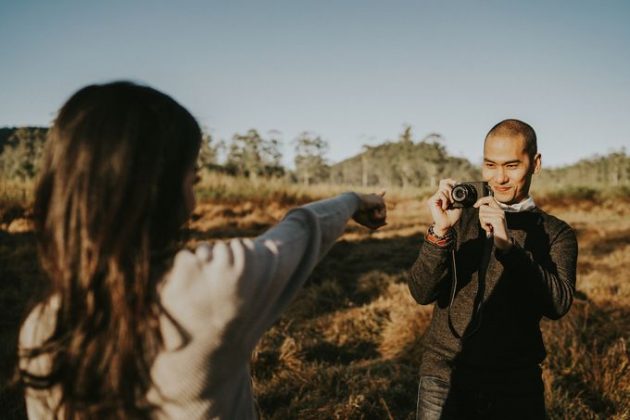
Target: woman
131	327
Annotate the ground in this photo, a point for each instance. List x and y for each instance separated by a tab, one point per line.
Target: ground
349	345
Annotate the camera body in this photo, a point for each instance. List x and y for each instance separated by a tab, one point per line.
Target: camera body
465	194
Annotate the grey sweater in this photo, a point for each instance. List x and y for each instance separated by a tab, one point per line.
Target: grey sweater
497	314
223	297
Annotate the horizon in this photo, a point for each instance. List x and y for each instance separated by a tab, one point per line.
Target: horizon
221	156
354	73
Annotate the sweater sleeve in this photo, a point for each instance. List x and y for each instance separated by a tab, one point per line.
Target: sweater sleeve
429	273
280	260
235	290
36	329
555	281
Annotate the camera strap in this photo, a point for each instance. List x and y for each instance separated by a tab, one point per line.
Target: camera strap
481	278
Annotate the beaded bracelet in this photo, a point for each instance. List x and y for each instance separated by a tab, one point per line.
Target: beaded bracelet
441	241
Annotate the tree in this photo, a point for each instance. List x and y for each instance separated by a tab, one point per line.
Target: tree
22	153
436	158
310	160
208	152
408	166
251	155
272	157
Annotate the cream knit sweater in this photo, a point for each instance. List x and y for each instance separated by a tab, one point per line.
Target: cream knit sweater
223	297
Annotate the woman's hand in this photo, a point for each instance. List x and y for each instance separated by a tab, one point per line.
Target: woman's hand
372	212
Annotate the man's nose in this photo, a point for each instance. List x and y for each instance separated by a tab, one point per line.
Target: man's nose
501	176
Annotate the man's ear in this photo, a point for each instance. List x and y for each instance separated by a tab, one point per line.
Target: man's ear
537	163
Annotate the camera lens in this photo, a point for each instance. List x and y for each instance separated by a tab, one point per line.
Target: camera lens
459	193
464	194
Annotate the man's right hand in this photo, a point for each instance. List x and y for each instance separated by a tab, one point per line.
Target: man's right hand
439	204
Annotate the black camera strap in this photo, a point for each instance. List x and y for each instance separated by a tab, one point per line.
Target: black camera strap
481	278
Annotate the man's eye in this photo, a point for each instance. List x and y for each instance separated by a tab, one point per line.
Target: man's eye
489	165
512	166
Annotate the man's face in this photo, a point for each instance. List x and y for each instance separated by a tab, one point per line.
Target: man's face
507	168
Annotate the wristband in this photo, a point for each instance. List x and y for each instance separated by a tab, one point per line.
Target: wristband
432	232
441	241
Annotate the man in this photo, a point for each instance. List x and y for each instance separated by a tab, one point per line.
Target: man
494	270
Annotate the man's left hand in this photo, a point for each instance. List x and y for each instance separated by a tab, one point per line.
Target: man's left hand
492	219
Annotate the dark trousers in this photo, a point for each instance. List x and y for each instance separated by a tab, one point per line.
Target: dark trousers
439	400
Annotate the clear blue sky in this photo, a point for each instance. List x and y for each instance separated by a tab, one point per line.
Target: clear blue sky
353	72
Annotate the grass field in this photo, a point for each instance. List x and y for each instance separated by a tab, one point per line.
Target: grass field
349	346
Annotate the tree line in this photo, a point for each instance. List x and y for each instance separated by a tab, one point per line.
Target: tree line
612	169
402	162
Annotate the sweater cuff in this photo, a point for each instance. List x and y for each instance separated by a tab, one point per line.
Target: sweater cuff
353	201
435	249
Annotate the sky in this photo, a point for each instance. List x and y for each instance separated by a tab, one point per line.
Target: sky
352	72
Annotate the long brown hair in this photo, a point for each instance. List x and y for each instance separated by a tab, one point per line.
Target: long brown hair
108	206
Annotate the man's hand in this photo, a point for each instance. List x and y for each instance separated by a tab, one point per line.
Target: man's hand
439	204
372	212
492	219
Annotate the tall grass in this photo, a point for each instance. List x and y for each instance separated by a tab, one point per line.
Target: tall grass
217	187
221	188
16	198
350	345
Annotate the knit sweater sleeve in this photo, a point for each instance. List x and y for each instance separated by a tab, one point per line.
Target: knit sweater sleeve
234	291
282	259
429	274
554	281
36	329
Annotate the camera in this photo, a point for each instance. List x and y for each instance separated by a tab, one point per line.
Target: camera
465	194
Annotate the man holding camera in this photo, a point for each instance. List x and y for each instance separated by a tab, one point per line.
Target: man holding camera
494	264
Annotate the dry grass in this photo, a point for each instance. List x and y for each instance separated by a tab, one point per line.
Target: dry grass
349	346
216	187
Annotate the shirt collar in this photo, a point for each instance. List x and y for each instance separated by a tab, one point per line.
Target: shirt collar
525	205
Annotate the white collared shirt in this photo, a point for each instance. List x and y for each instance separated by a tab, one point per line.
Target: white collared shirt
525	205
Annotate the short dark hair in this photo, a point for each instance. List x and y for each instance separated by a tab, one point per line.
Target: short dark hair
513	128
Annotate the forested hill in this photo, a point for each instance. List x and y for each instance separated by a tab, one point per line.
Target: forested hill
403	162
